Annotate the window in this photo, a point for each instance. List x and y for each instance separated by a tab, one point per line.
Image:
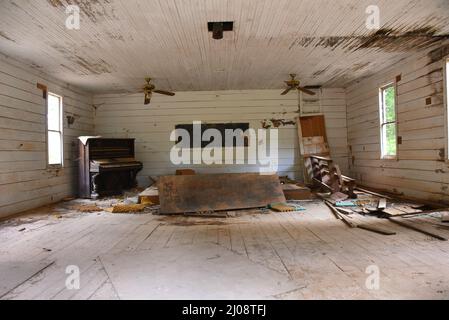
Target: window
388	128
54	129
447	108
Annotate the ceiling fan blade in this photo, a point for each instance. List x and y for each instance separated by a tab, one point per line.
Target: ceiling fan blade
306	91
286	91
168	93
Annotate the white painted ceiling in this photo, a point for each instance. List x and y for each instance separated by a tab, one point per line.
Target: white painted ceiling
120	42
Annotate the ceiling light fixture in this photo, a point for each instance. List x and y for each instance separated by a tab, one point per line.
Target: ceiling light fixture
218	27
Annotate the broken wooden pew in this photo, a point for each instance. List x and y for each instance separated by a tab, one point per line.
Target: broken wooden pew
215	192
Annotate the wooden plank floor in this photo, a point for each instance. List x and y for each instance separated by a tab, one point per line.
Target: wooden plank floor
310	246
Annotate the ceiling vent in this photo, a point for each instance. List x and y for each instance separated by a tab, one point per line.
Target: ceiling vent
217	28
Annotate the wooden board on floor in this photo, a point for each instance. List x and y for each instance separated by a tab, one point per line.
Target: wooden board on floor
213	192
424	228
393	211
294	192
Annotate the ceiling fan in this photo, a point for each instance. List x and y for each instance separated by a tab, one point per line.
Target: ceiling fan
294	84
149	88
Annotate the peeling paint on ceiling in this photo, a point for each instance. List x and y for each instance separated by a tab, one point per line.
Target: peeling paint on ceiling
120	42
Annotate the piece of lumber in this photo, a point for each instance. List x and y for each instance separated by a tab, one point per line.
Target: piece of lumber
358	210
217	192
407	209
295	192
340	216
399	196
371	208
423	212
417	228
373	193
345	210
445	217
334	211
375	229
393	211
382	204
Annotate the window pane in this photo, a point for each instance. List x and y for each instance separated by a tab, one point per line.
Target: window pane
390	139
53	116
447	106
54	148
390	114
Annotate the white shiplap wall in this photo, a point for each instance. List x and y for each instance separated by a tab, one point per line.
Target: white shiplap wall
420	170
25	181
126	116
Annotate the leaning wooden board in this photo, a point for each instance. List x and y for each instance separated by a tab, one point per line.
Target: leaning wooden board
206	192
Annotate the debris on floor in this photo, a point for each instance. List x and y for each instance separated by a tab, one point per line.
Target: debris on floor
327	175
127	208
149	195
419	226
339	196
445	217
146	201
86	208
346	203
296	192
369	206
281	207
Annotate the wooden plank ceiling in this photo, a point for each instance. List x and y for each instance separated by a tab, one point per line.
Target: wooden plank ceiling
121	42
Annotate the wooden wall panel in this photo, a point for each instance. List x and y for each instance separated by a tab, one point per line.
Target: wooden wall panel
25	181
420	170
126	116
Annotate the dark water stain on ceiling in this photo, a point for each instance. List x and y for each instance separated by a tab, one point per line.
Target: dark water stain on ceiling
388	40
4	36
88	66
384	39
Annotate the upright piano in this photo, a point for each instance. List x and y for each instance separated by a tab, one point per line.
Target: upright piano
106	166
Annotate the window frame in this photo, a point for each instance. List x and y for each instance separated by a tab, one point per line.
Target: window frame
383	122
61	130
446	104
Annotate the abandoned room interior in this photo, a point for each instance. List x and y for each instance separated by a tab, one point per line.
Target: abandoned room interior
279	150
